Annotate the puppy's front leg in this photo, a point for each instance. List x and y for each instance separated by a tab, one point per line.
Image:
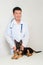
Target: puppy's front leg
15	56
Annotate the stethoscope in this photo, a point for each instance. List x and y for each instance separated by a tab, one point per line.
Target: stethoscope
11	26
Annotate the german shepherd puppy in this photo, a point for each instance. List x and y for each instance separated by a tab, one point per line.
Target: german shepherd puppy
26	51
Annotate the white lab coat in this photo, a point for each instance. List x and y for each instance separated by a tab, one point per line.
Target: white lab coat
13	31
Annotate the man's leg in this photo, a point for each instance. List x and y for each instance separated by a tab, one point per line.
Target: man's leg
12	51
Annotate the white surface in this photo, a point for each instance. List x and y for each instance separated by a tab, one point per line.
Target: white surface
32	13
35	59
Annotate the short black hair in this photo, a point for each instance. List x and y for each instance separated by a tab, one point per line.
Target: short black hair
16	8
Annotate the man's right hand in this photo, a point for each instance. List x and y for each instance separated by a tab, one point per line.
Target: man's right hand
14	48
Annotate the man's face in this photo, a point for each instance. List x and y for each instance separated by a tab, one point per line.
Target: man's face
17	15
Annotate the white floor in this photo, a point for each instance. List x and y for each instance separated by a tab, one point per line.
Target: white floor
36	59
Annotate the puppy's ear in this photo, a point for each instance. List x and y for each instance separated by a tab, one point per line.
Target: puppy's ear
15	41
21	41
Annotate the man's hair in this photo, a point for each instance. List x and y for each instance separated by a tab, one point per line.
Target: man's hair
16	8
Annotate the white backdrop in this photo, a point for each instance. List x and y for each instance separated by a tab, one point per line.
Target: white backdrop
32	14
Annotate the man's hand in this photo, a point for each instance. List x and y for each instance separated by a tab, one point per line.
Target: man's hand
14	48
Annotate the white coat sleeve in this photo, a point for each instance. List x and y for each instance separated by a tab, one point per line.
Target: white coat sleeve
26	35
8	35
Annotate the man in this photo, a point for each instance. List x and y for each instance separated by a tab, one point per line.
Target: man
17	30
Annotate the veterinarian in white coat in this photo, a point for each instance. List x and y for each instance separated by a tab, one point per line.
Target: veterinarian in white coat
17	30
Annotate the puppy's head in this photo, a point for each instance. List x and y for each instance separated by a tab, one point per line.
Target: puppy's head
18	44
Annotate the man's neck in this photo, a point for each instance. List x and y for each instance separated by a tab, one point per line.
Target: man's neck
17	21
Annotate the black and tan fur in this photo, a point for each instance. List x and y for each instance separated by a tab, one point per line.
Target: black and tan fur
27	50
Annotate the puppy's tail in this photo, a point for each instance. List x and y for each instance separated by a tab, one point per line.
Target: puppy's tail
37	51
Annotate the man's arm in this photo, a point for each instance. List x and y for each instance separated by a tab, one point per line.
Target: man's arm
8	36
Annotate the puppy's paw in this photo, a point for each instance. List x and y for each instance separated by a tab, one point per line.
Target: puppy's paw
15	57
